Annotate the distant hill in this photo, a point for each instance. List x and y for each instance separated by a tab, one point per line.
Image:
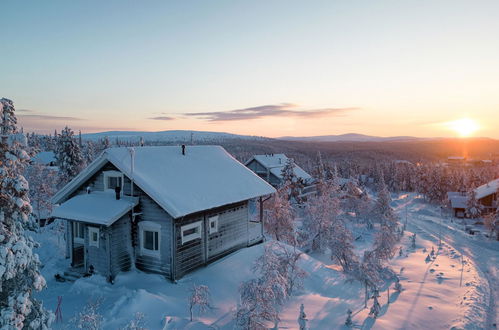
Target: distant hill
168	136
350	137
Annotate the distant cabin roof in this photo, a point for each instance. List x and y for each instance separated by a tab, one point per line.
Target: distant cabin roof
204	178
457	200
276	162
44	157
487	189
100	208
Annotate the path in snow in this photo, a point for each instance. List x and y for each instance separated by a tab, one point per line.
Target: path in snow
482	252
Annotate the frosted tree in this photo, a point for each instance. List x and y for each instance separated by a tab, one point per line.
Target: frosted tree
341	246
321	211
19	266
41	188
279	221
200	298
257	305
382	208
302	318
261	298
491	222
385	242
473	206
68	156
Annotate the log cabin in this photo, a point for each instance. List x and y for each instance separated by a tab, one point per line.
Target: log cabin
164	209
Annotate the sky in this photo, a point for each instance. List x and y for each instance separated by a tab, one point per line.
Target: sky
267	68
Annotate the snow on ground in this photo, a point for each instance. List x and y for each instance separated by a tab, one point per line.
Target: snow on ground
434	295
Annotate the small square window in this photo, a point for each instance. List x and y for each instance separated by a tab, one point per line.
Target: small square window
93	236
213	224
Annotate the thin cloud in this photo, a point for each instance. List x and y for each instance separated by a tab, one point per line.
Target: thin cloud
276	110
162	118
47	117
24	110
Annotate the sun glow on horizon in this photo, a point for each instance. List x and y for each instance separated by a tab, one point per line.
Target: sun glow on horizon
464	127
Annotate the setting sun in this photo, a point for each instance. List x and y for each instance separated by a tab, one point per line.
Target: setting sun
464	127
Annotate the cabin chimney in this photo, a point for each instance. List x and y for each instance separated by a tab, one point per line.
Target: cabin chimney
183	149
117	190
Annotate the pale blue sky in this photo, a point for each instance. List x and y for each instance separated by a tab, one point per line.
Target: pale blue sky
399	67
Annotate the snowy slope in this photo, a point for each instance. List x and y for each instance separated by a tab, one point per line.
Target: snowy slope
438	294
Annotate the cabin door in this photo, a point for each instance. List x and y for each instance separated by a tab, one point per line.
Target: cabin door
78	244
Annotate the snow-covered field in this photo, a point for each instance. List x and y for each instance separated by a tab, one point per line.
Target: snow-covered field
455	289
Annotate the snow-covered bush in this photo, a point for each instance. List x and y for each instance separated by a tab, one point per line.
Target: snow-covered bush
200	298
19	266
89	318
137	323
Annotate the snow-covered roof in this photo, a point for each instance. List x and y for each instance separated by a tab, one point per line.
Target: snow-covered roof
100	208
204	178
487	189
44	157
457	200
276	162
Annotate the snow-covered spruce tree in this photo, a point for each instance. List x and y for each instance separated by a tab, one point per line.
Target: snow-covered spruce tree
200	298
302	318
279	220
291	183
19	266
68	156
348	321
473	206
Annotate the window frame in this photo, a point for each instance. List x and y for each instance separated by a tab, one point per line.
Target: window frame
213	219
113	174
93	230
78	228
152	227
191	237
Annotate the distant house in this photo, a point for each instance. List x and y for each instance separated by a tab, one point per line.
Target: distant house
165	210
487	195
269	167
46	158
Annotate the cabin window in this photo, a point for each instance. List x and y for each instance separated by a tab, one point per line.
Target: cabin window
93	236
78	232
213	224
149	238
113	179
191	232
